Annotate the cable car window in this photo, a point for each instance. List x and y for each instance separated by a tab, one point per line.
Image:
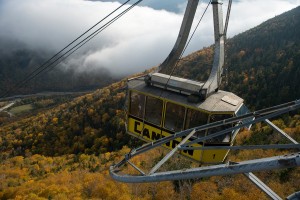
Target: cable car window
196	118
174	117
137	103
154	108
222	138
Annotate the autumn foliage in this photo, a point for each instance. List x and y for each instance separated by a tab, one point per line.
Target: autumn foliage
64	152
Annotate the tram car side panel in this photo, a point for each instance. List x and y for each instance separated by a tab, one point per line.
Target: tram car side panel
151	118
149	133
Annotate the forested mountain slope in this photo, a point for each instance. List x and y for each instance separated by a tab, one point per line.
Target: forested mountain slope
17	61
90	124
94	123
263	68
263	63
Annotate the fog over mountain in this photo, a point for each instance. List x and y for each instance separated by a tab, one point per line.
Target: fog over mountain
140	39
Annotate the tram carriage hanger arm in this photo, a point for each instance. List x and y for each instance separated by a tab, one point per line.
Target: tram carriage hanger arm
213	82
184	31
215	77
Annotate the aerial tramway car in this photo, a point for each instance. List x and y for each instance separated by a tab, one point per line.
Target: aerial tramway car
197	120
160	105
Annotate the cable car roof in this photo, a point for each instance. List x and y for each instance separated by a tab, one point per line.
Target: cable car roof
220	101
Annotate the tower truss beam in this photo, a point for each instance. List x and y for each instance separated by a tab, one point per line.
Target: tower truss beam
230	168
268	191
273	126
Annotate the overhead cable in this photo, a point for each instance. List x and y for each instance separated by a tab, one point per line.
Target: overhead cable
92	35
50	61
33	73
173	69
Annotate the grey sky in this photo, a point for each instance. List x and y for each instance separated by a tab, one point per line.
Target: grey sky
169	5
139	40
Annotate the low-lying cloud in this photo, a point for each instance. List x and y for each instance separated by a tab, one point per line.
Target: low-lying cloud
137	41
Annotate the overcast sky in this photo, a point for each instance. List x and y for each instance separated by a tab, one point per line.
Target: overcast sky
137	41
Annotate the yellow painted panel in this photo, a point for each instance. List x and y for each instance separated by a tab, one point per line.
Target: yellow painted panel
192	154
143	131
212	156
150	133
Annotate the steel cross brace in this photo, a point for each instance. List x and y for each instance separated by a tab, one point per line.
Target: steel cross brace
171	153
277	162
245	167
268	191
273	126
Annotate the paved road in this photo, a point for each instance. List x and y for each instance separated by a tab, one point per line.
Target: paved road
7	106
43	94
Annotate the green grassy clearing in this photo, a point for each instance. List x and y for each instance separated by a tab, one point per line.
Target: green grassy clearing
21	109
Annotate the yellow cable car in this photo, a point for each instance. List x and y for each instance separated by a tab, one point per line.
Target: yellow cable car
155	113
161	105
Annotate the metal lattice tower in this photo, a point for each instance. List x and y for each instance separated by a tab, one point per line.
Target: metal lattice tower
229	168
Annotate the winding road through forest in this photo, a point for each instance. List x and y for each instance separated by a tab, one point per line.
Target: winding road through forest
7	106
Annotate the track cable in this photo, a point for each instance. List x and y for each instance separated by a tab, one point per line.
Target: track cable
58	58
